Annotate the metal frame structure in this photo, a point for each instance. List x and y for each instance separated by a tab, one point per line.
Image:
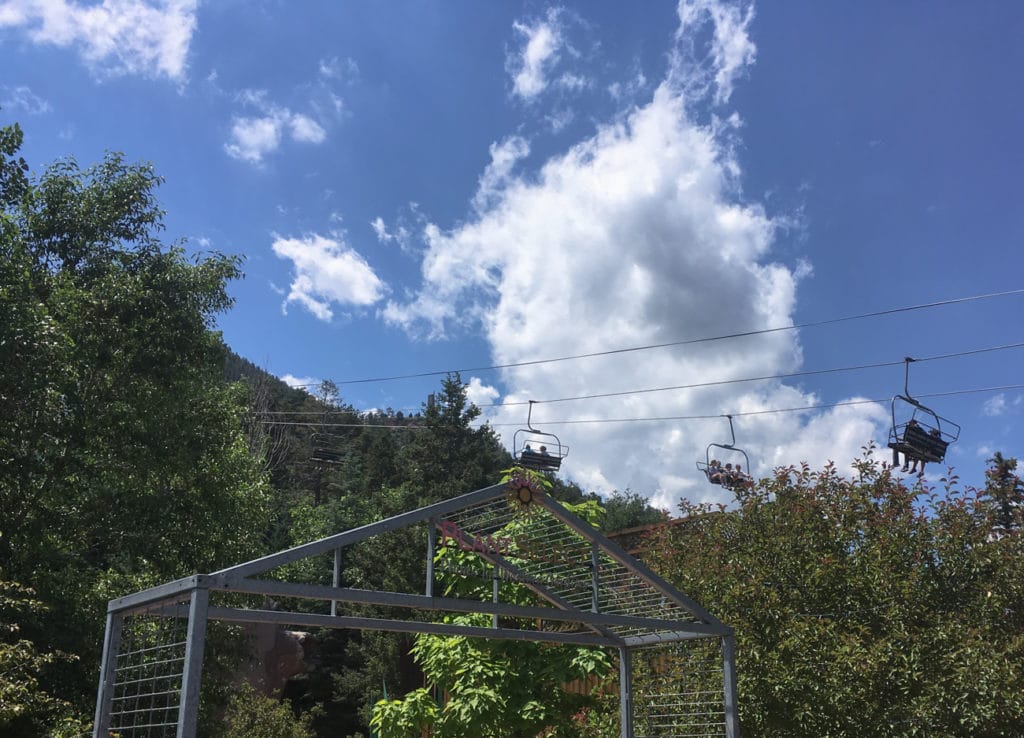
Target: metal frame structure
595	594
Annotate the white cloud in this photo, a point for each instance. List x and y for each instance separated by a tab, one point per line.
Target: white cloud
995	405
254	137
327	272
113	37
22	98
479	393
497	175
529	66
340	69
306	130
560	119
399	234
631	88
573	82
636	236
300	382
728	54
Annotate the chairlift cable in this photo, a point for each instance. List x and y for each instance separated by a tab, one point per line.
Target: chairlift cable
715	416
697	385
688	342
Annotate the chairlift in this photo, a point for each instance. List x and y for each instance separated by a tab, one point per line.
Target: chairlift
327	448
536	449
918	432
731	476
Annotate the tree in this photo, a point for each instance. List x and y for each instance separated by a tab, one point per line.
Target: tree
26	708
122	457
860	607
1005	490
250	715
630	509
494	689
449	457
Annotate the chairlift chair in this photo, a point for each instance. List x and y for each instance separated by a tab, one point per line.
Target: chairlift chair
718	475
326	448
535	449
918	432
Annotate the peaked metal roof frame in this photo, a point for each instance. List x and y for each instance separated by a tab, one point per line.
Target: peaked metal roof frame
189	598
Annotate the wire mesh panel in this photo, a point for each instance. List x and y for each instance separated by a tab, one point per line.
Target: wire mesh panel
148	676
546	552
678	690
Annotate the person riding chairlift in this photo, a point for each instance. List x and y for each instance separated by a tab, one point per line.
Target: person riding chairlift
906	458
934	433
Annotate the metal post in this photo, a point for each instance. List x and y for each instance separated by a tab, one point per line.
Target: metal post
336	579
595	581
732	722
191	678
431	551
108	667
494	596
625	693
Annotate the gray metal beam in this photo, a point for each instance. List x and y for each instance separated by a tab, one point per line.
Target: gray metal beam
451	604
191	678
625	693
336	578
693	630
108	667
732	719
258	566
618	554
232	614
431	551
177	589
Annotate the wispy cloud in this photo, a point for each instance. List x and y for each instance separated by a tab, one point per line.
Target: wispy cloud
345	70
713	47
305	383
400	234
22	99
113	37
252	138
530	64
327	272
995	405
497	176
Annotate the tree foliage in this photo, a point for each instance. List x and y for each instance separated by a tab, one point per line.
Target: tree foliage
251	715
122	455
495	689
861	607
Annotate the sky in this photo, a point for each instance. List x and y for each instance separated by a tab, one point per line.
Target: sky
420	186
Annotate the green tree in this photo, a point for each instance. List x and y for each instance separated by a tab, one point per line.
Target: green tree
122	458
861	607
1005	490
630	509
495	689
26	708
251	715
450	457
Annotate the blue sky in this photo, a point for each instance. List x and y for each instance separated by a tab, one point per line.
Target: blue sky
423	186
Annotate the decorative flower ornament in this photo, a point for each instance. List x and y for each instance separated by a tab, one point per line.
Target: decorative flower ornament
522	488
